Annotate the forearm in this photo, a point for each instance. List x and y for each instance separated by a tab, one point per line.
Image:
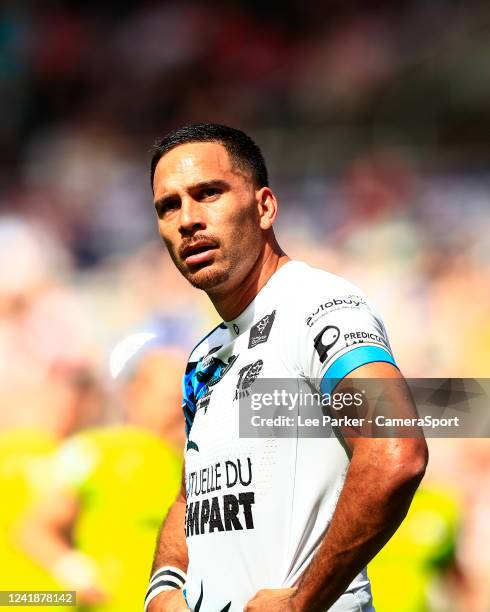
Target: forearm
43	544
373	503
170	556
171	548
49	544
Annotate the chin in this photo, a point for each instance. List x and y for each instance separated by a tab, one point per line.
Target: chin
208	278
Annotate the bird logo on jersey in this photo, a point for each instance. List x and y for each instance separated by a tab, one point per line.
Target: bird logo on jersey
325	340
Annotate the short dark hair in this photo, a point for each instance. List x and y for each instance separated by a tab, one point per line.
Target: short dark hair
241	148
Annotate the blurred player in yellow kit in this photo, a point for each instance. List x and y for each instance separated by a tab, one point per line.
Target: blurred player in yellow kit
23	453
68	398
406	571
111	487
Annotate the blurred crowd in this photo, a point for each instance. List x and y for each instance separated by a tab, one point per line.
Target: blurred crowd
375	122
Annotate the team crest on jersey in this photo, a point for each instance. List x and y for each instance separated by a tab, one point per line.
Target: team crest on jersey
246	377
260	331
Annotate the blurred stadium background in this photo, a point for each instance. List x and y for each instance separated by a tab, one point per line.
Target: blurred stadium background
374	118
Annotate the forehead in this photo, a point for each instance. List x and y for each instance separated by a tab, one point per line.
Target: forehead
192	163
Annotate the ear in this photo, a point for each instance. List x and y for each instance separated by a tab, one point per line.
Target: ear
267	207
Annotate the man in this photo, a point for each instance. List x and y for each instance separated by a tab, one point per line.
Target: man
66	398
96	490
271	524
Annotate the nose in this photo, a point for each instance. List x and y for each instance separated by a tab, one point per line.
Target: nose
191	217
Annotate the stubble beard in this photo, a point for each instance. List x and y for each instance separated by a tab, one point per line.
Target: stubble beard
207	279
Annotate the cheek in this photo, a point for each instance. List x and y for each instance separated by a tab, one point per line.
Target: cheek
241	221
248	228
167	236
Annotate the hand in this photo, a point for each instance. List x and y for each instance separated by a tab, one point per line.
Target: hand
271	600
169	601
91	596
77	571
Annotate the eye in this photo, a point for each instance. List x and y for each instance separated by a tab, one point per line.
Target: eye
209	193
167	206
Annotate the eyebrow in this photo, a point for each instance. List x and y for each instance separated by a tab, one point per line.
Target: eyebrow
217	183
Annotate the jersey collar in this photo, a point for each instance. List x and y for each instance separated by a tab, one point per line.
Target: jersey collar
258	305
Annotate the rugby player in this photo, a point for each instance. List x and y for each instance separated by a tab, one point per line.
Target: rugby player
268	524
94	491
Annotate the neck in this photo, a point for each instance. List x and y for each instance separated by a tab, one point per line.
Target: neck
230	304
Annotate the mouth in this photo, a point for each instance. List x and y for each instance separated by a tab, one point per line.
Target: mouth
198	253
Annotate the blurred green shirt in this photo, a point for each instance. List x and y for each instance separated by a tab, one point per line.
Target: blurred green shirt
404	571
24	461
126	479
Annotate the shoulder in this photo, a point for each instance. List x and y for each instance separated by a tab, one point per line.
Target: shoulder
325	317
309	291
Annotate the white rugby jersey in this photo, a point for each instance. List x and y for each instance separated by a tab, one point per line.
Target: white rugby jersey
257	508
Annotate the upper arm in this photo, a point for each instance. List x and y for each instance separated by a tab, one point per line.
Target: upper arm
388	450
341	342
